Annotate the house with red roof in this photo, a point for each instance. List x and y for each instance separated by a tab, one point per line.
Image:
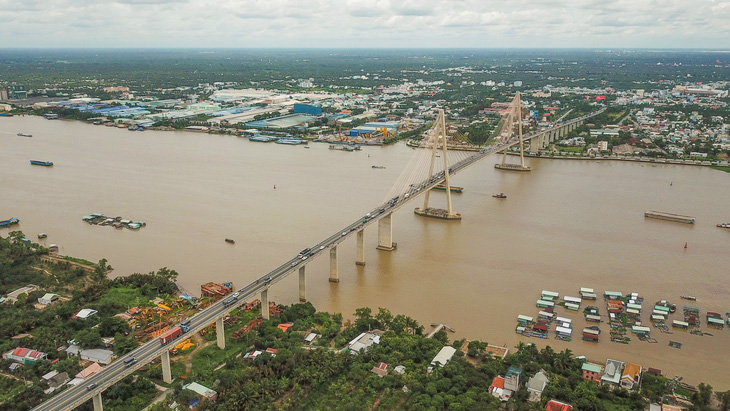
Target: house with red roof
554	405
25	355
497	389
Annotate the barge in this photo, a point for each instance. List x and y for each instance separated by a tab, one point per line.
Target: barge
660	215
454	189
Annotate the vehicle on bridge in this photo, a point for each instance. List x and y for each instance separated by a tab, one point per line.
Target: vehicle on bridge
170	335
230	300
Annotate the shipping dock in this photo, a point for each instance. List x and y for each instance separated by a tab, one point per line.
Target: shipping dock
660	215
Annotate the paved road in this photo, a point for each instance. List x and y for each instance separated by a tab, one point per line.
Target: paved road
75	396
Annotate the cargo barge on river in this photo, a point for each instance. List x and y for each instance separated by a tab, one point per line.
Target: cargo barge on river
454	189
670	217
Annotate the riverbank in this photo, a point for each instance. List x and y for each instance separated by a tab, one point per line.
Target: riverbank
722	165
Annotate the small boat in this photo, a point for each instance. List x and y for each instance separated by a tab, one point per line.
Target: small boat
688	297
454	189
41	163
10	221
25	135
42	235
306	146
500	195
230	240
723	225
378	166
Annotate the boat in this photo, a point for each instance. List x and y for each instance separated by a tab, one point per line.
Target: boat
688	297
723	225
41	163
292	141
378	166
25	135
230	240
500	195
10	221
454	189
42	235
261	139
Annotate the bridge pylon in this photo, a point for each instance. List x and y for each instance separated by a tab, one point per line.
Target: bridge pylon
438	136
514	113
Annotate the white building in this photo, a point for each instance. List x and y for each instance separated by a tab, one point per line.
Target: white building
443	356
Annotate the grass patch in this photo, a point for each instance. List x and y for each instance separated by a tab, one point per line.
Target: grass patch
79	261
123	297
571	149
721	168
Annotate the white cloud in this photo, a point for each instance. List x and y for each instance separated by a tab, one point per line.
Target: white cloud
364	23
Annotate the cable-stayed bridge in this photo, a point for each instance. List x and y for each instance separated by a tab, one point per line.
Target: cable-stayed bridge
438	157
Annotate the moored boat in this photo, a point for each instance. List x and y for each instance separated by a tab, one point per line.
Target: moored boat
454	189
41	163
500	195
10	221
723	225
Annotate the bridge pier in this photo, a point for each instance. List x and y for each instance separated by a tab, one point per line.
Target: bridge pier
302	285
360	247
96	399
385	233
334	276
220	333
265	304
166	372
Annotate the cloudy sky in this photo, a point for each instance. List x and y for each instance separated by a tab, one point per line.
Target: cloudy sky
365	23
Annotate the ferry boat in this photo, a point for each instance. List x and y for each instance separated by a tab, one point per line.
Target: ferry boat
10	221
454	189
25	135
500	195
41	163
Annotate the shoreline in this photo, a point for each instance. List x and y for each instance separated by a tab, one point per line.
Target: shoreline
631	159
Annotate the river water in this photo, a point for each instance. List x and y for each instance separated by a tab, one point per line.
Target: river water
567	224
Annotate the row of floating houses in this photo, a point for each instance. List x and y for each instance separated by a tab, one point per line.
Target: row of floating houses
624	313
116	222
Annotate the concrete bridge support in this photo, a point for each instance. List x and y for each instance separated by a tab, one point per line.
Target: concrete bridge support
302	285
265	304
385	233
334	276
220	333
96	399
166	372
360	248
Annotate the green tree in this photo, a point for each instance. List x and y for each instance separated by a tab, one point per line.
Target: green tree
123	345
88	338
112	325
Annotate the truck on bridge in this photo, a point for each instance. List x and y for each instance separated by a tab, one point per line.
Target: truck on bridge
170	335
